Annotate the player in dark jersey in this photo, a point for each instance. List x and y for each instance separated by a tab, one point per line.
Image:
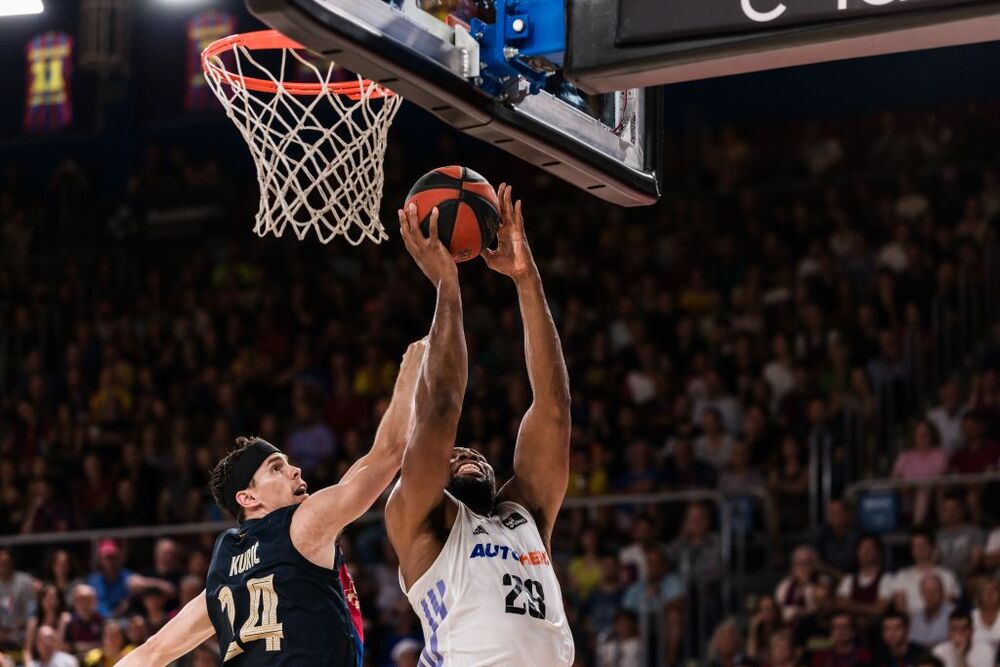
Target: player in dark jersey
277	591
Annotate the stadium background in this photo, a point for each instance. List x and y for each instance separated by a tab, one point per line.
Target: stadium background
820	277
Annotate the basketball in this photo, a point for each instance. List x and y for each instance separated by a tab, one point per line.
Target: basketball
468	209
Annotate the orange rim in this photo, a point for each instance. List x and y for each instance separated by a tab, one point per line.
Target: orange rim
262	40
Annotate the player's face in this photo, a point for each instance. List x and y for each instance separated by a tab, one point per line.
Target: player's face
277	483
472	480
469	464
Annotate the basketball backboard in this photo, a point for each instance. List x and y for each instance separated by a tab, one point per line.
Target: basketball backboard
438	65
488	75
620	43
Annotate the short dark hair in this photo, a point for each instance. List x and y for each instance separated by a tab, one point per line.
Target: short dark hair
960	615
895	615
874	538
926	533
843	614
223	470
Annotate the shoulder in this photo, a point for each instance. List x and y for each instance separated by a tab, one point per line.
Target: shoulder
948	576
943	650
513	514
982	653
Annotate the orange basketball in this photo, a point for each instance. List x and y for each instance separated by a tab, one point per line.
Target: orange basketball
468	209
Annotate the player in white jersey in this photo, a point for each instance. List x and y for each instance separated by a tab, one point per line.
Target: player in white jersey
476	563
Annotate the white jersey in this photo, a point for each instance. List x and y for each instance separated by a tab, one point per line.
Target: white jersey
491	598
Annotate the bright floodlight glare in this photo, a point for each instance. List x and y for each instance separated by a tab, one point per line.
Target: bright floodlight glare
19	7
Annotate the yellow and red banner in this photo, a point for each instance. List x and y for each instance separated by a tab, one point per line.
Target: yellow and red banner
202	30
48	105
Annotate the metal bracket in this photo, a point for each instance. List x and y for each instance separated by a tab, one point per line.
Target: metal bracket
526	40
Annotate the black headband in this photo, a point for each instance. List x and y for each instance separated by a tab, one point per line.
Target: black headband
243	470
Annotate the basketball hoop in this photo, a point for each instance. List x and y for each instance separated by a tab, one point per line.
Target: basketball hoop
318	146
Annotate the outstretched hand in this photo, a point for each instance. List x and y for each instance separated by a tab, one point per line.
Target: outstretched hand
428	252
409	367
512	256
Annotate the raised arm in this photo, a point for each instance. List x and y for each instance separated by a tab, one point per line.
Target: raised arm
541	457
185	631
325	513
440	390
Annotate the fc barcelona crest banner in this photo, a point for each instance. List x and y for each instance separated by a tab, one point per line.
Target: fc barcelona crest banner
47	105
202	30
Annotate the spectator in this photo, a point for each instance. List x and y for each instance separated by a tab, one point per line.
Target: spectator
960	650
621	646
724	647
867	590
696	548
929	627
62	572
683	470
789	484
311	442
778	371
641	474
947	416
49	613
17	602
844	650
959	543
991	553
83	632
739	477
658	590
599	607
781	651
837	544
926	459
406	653
906	582
154	609
633	556
659	595
111	580
896	650
794	593
166	563
47	652
813	630
977	454
715	444
584	570
112	649
114	583
986	614
136	630
191	586
717	398
764	624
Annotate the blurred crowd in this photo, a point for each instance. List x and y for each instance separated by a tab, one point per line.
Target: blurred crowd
776	304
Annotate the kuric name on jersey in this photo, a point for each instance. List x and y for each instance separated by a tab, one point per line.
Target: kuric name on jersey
506	553
244	561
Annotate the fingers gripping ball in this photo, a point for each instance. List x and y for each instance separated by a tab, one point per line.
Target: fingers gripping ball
468	209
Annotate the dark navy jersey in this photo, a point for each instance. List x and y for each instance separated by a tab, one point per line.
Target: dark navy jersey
271	606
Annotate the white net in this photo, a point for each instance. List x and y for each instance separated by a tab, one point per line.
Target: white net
318	149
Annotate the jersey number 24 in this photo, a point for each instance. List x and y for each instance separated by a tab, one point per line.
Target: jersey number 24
262	620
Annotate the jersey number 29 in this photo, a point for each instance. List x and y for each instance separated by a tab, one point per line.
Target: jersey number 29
259	624
532	590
